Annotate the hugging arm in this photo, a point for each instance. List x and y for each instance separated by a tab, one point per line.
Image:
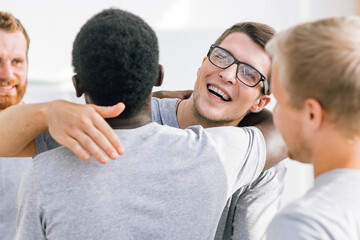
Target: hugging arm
79	127
276	149
185	94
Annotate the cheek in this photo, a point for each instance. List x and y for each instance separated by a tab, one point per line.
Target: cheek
22	73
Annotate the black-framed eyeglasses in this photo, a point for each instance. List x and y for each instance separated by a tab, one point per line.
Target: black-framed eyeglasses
245	73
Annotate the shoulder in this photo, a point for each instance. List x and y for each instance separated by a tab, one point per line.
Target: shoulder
293	223
162	103
45	142
56	161
164	111
247	139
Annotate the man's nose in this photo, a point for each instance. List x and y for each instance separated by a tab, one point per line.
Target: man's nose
6	71
229	74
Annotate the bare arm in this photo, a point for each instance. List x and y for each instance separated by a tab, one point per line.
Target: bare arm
185	94
79	127
276	149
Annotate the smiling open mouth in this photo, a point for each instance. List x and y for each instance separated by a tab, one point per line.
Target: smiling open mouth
218	93
7	87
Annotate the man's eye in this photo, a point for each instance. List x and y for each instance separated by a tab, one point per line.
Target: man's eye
17	61
249	74
222	58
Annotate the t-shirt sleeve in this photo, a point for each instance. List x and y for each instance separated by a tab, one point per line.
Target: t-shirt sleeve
29	204
164	111
242	152
45	142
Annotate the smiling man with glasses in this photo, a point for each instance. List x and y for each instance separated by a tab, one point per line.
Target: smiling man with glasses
232	89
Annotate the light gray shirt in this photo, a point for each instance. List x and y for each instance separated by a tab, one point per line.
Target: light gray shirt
11	171
251	208
328	211
169	184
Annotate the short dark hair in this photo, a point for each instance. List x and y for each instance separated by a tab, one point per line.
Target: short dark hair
11	24
259	33
115	56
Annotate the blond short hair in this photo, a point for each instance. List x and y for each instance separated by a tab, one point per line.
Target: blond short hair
11	24
321	60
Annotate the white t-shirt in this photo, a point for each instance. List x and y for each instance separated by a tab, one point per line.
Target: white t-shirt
330	210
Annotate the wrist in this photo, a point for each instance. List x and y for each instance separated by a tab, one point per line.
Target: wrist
43	114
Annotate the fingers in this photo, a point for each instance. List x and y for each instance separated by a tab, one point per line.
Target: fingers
110	112
97	137
76	148
84	131
106	137
89	143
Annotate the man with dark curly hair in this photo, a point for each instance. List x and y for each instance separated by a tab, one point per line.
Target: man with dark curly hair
169	184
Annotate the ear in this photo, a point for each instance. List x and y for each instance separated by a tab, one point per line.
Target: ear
77	85
261	102
200	66
160	78
314	113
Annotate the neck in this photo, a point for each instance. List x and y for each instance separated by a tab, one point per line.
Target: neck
185	114
336	152
139	120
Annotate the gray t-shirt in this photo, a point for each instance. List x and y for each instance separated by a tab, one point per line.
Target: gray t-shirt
330	210
251	208
11	171
169	184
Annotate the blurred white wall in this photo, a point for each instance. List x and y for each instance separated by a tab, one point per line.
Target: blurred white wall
185	28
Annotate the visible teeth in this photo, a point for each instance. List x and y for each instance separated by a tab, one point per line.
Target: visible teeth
6	88
218	91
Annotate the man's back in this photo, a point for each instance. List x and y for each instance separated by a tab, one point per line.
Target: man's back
157	189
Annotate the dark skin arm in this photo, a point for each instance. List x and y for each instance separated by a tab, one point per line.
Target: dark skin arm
185	94
276	149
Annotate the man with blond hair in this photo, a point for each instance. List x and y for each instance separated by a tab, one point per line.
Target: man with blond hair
14	45
316	80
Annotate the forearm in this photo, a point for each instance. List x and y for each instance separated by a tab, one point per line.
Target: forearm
252	119
21	125
184	94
